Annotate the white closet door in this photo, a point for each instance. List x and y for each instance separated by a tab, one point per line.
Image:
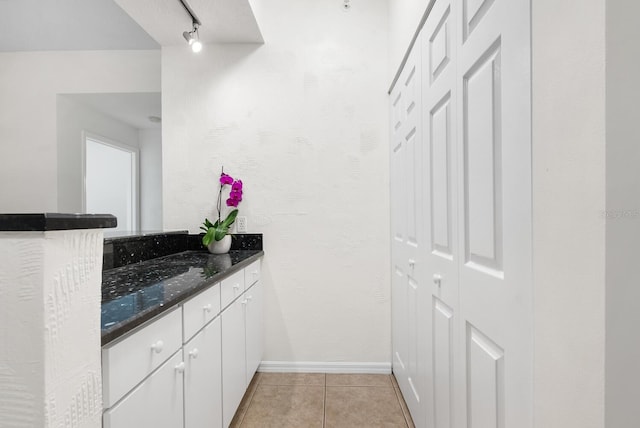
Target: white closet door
494	199
408	291
439	117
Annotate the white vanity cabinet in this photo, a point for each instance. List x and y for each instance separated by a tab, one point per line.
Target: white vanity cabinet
189	367
253	329
242	339
203	378
234	373
157	402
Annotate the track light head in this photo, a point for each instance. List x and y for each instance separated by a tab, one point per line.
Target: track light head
193	38
188	36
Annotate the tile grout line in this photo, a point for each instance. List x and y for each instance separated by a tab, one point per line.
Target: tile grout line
255	388
324	403
396	391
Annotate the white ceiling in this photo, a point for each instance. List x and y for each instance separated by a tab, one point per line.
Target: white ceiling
223	21
36	25
133	109
46	25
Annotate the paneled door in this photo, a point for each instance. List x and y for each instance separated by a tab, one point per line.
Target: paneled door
408	290
494	132
438	41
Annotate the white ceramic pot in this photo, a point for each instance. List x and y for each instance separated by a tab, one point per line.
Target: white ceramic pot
220	247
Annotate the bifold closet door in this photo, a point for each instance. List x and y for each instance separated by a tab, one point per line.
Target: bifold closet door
440	97
409	295
494	199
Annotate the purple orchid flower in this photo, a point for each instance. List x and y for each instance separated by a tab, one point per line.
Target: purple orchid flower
225	179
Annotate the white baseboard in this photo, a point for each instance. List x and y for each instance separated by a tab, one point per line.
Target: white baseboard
318	367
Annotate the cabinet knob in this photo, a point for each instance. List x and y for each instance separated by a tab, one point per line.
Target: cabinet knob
437	279
194	353
249	298
236	287
157	347
412	262
244	301
207	307
180	367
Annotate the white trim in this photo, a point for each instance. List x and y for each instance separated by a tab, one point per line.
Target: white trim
135	165
322	367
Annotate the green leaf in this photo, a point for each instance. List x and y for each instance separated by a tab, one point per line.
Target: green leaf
208	237
230	218
220	232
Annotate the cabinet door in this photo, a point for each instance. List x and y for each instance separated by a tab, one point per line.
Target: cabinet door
203	378
254	335
157	402
233	359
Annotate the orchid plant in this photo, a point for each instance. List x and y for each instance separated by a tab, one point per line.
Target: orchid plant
218	230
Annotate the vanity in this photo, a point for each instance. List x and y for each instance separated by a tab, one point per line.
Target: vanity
181	330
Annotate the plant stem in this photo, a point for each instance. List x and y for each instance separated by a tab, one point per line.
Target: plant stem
220	198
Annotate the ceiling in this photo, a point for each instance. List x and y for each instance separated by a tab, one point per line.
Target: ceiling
223	21
132	109
46	25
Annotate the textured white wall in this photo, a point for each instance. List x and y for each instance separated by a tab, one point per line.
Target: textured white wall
29	82
303	121
404	17
568	125
50	372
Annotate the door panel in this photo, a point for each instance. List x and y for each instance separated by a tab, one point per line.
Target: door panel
482	163
495	213
485	381
410	330
443	360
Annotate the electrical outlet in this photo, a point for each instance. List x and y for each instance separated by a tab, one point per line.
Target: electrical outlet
241	224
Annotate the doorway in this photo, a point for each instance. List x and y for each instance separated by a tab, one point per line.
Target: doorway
111	180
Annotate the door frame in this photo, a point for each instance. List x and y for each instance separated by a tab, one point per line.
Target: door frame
135	164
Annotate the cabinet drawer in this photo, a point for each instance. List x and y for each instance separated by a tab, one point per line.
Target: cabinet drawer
231	287
252	274
127	362
200	309
157	402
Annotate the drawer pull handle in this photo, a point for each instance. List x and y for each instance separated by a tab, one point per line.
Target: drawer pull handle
437	279
236	287
194	353
249	298
207	307
180	367
158	346
244	301
254	273
412	262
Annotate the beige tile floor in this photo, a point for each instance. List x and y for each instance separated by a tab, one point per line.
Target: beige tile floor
301	400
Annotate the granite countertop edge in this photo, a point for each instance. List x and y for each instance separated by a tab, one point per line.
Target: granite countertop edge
44	222
123	329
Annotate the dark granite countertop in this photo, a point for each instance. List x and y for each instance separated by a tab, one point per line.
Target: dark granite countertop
55	221
135	293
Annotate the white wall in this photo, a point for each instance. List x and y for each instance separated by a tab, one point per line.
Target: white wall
150	143
568	67
404	17
29	82
623	215
50	373
302	120
72	119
